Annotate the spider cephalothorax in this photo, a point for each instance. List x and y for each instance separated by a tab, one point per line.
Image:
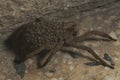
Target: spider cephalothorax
45	38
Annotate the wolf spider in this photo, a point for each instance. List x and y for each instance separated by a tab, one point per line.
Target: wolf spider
44	38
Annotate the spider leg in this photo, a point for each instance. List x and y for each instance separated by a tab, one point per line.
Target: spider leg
50	55
19	58
75	53
99	33
72	53
86	38
41	56
92	52
19	65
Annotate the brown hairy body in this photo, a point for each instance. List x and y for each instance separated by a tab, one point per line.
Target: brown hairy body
44	38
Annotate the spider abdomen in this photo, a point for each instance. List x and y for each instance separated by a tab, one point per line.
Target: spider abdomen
34	35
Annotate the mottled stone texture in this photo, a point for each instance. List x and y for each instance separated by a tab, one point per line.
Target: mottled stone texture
106	18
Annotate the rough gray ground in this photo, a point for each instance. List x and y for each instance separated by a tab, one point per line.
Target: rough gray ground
63	66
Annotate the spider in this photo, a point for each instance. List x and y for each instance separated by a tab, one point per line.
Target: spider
44	38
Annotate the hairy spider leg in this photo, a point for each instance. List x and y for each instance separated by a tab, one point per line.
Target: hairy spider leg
99	33
41	56
74	53
51	54
86	38
19	58
19	64
92	52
